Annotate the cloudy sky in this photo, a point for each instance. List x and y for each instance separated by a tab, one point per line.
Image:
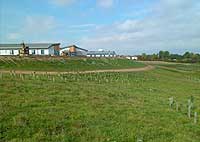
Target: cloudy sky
126	26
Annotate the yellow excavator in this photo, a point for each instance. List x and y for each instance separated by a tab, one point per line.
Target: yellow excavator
24	51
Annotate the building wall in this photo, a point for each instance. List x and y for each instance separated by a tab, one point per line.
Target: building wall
2	52
97	55
132	57
81	53
39	51
62	50
54	51
16	52
46	51
78	52
31	52
9	52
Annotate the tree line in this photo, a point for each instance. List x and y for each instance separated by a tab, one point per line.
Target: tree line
167	56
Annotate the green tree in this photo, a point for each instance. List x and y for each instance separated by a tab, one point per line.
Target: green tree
187	55
155	57
144	56
163	55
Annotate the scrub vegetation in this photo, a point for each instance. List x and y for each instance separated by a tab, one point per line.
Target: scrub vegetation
187	57
98	107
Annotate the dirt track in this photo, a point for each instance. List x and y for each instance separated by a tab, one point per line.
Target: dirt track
149	67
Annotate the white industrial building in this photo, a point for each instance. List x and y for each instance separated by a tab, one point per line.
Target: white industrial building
34	49
101	53
52	49
132	57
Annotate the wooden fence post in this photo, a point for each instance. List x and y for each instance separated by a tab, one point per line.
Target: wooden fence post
177	106
195	117
189	107
171	101
189	111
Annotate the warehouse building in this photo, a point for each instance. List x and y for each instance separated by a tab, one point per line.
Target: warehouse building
73	50
101	53
132	57
52	49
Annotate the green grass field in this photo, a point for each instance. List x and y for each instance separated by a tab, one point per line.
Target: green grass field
101	107
64	64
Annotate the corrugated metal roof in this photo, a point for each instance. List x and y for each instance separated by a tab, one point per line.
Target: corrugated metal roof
101	53
75	47
30	45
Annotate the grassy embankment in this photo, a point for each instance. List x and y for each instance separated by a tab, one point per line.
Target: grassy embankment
65	64
100	107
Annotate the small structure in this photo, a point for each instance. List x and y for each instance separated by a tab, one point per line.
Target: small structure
52	49
132	57
101	53
73	50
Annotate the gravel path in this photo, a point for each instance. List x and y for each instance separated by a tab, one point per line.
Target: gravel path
149	67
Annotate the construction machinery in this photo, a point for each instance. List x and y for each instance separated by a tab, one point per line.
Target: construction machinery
24	51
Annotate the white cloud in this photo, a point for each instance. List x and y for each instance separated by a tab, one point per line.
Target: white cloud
39	24
62	2
129	25
105	3
173	25
33	28
101	3
14	36
82	26
77	29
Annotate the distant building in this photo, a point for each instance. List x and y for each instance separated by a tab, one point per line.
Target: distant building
34	49
101	53
132	57
73	50
52	49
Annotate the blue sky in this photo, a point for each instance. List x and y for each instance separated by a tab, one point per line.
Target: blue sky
126	26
